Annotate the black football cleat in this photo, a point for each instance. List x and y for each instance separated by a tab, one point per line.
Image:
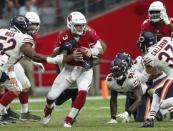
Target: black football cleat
12	114
29	116
148	123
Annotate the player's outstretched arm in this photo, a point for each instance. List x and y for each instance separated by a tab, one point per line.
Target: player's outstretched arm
32	54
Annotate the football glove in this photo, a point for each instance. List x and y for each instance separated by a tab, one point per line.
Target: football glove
125	117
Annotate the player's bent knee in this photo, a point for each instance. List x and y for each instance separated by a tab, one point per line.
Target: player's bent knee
52	95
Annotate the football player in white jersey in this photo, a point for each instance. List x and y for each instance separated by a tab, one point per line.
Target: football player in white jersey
159	54
20	73
123	80
15	43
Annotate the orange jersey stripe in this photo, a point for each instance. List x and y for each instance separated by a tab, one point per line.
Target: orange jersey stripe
160	83
165	90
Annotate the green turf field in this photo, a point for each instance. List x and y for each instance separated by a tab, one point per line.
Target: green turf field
93	117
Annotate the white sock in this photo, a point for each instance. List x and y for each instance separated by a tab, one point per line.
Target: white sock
73	113
1	107
24	108
154	106
4	111
7	107
166	103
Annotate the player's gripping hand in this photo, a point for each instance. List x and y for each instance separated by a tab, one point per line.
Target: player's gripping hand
13	81
125	117
39	65
87	52
165	18
77	55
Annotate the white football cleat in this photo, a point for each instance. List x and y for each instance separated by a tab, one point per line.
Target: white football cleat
112	121
67	125
47	115
45	120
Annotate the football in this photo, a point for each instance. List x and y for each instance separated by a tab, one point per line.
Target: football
84	52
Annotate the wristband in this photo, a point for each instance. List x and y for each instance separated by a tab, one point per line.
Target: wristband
55	60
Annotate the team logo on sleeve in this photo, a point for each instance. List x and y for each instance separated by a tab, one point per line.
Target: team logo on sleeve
65	37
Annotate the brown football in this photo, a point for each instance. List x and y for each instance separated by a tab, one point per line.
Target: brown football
84	52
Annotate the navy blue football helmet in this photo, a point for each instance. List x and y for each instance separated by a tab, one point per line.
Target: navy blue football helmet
20	23
125	56
120	65
146	39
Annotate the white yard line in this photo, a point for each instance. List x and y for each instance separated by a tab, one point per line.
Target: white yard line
67	109
36	100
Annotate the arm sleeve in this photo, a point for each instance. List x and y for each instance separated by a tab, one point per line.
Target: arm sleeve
110	82
133	81
142	76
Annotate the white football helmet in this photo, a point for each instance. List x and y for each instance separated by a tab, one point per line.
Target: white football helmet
155	10
35	22
76	22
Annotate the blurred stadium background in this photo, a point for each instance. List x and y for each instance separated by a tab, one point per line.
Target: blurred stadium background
116	21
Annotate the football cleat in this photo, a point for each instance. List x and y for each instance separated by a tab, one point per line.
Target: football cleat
47	115
159	116
67	125
45	120
148	123
12	114
3	122
112	121
7	118
29	116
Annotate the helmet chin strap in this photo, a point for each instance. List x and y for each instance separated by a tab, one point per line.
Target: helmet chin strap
14	28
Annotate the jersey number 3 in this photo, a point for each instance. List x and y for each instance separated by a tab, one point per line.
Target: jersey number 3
166	55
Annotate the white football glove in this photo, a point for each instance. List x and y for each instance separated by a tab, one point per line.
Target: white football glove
112	121
165	18
125	116
3	59
39	65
